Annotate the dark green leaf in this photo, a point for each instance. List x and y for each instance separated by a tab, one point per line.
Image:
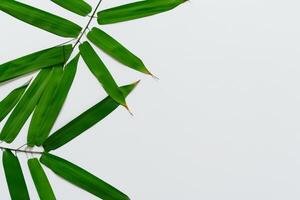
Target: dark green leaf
79	7
40	18
14	177
116	50
81	178
42	124
9	102
35	61
100	71
40	115
40	180
25	107
84	121
136	10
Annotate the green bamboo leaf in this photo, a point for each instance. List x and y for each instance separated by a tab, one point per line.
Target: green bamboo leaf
9	102
82	178
14	177
40	180
100	71
40	115
79	7
34	61
84	121
41	19
116	50
42	123
136	10
25	107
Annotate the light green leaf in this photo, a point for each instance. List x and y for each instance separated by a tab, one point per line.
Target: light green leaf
116	50
34	61
100	71
136	10
14	177
79	7
41	124
40	115
41	19
40	180
82	178
9	102
25	107
84	121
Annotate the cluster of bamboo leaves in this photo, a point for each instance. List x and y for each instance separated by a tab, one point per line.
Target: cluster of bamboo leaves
44	96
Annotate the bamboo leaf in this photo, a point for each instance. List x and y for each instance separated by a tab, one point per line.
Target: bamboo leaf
84	121
9	102
100	71
116	50
34	61
79	7
136	10
14	177
41	124
41	111
41	19
82	178
25	107
40	180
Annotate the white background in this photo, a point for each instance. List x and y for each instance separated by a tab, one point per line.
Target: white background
222	123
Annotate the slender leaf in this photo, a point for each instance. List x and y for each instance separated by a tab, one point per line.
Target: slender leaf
79	7
82	178
41	19
100	71
41	111
44	122
84	121
40	180
25	107
35	61
116	50
9	102
14	177
136	10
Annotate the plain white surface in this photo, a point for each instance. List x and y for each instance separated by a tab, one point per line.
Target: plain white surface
221	123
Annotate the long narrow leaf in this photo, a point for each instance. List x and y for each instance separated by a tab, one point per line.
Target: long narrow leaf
25	107
34	61
100	71
79	7
40	180
41	19
44	122
14	177
9	102
82	178
84	121
116	50
40	114
136	10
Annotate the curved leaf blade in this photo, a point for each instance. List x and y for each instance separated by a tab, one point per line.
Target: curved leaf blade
84	121
100	71
44	122
25	106
136	10
32	62
82	178
14	177
9	102
40	180
41	19
116	50
79	7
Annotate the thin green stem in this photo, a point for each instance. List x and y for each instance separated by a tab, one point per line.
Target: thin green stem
21	150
